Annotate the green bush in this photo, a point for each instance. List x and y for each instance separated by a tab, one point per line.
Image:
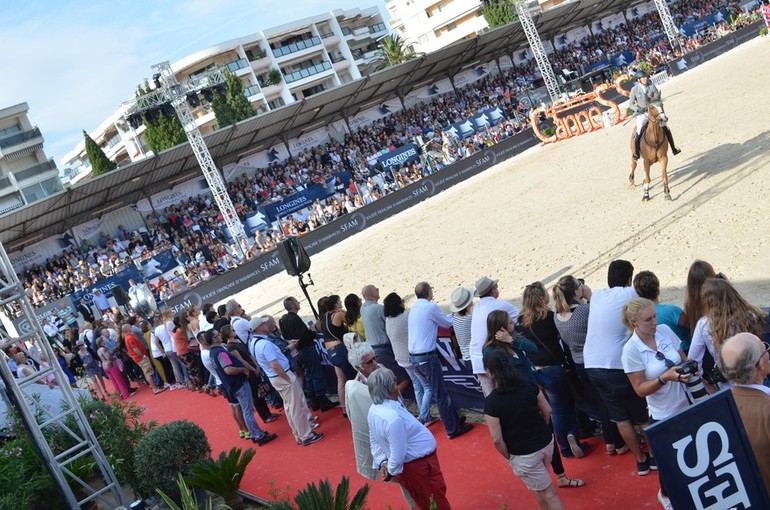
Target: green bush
117	428
763	31
321	497
24	482
165	452
549	131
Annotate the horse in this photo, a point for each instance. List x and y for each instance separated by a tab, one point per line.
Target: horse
653	149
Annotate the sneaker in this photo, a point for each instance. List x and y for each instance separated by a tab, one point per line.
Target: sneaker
244	434
266	438
460	431
271	418
159	390
313	419
314	438
664	501
653	463
643	468
574	447
314	425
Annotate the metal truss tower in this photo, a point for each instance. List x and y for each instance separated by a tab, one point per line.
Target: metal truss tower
37	417
528	24
169	90
668	22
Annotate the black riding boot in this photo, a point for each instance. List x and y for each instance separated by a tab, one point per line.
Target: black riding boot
637	149
670	138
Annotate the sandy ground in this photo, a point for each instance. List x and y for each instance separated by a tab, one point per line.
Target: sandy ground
565	208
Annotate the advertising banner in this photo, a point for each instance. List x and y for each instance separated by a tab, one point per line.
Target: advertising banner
304	198
255	221
706	459
716	48
692	28
394	159
106	285
268	264
159	264
184	191
89	229
39	252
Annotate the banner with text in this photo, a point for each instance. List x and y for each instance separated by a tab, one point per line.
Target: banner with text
106	285
183	191
304	198
161	263
394	159
716	48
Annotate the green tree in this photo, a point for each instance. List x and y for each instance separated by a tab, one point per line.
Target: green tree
163	132
233	106
393	51
498	13
100	163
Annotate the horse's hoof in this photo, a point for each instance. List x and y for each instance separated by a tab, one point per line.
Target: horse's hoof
630	182
646	198
667	195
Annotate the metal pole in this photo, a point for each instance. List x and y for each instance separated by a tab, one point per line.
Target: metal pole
536	44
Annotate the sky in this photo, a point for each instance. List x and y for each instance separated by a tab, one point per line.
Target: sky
74	62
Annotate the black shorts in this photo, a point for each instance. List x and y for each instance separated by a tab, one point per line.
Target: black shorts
622	401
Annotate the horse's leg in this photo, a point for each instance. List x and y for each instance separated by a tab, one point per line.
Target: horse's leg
646	195
631	183
664	176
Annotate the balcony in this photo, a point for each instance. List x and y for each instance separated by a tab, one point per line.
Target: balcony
379	27
34	171
252	91
330	39
255	54
21	144
5	182
295	47
307	72
239	67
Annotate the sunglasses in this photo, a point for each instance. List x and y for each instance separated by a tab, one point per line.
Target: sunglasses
767	349
662	357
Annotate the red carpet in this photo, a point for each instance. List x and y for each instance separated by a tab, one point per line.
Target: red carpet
477	476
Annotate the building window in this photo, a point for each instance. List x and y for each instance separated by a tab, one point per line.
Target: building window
10	130
40	190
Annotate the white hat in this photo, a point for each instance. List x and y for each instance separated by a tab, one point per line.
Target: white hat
484	285
461	298
257	322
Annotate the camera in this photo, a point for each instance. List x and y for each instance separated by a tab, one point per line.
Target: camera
715	377
688	367
693	383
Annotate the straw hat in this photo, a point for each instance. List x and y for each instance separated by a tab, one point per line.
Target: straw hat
461	298
484	285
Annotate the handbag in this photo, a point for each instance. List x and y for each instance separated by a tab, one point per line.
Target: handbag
571	376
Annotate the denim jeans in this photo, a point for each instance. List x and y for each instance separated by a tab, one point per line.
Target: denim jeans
422	393
429	368
243	394
338	356
563	408
180	369
310	361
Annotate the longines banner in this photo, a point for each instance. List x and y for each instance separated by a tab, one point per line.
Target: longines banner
268	264
716	48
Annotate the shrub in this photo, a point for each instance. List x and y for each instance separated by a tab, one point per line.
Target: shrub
166	452
321	497
222	476
24	481
763	31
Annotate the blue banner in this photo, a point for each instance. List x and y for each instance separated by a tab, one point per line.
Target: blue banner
478	122
106	285
255	221
394	159
705	457
304	198
692	28
462	130
158	264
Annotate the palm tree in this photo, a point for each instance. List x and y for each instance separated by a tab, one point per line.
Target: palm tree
393	51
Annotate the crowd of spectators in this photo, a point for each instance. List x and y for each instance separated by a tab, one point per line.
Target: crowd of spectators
192	229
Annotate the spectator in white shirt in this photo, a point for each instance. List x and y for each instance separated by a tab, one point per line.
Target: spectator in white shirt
425	318
602	353
487	290
402	448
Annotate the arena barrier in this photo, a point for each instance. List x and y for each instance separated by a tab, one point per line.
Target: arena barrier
715	48
659	78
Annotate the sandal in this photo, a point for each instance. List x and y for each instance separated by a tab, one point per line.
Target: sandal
565	482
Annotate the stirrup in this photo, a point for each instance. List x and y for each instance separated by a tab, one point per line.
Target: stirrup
675	150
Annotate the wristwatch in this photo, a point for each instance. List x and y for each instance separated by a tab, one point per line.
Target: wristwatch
661	381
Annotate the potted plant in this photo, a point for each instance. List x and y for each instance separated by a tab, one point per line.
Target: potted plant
321	497
274	77
222	476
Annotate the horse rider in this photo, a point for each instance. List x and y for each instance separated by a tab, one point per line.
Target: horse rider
642	94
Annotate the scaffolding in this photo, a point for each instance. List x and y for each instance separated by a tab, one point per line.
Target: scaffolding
536	44
668	23
38	418
169	91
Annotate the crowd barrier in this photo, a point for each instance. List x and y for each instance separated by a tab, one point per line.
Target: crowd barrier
715	48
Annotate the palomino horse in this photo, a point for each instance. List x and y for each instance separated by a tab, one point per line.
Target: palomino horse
653	149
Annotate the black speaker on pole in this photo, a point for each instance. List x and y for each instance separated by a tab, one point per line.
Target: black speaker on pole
293	256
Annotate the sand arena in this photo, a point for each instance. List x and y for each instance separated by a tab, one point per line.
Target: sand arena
565	208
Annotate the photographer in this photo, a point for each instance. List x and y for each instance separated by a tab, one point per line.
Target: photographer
651	359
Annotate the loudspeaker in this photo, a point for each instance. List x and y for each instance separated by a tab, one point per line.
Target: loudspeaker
293	256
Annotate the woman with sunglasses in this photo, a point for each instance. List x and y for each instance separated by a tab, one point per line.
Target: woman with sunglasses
650	358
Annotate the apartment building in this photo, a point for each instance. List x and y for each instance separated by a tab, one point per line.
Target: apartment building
428	25
277	66
26	174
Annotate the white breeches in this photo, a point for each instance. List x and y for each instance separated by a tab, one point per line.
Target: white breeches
641	121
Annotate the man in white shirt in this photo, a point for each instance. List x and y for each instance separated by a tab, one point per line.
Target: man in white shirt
487	291
276	366
238	320
425	318
402	448
602	355
746	364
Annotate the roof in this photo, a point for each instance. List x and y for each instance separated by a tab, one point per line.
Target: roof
127	185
